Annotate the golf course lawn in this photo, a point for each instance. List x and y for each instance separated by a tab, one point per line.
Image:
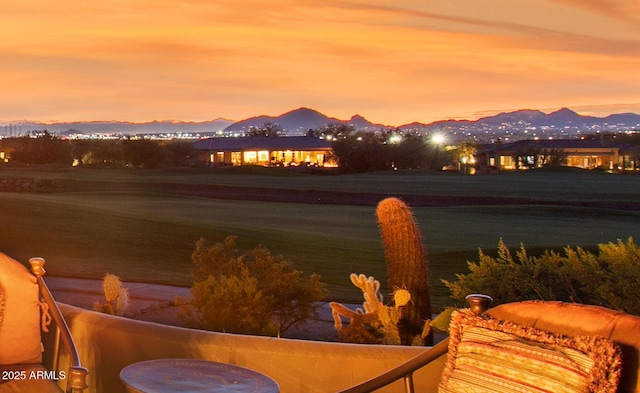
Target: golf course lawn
149	237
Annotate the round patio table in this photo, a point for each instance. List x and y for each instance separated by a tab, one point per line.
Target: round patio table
192	375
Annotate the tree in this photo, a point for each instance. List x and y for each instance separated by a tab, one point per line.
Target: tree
144	153
267	129
360	152
44	148
178	152
250	292
463	154
411	152
383	150
333	131
102	153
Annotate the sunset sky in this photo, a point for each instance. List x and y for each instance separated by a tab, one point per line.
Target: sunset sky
393	62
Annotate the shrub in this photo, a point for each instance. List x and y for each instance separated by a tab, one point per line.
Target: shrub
251	292
610	279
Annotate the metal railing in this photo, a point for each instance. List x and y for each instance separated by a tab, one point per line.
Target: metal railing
77	375
404	371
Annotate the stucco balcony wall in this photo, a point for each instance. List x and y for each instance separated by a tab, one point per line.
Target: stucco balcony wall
107	344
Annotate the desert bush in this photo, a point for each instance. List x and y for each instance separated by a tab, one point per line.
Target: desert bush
250	292
610	279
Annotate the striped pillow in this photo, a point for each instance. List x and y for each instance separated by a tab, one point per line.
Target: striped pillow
488	355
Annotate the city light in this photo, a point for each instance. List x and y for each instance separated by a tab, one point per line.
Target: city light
438	139
395	139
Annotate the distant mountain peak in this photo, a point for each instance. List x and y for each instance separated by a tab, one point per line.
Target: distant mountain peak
564	111
305	109
566	115
299	121
301	112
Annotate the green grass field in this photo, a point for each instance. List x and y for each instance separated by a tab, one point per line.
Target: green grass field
540	184
150	237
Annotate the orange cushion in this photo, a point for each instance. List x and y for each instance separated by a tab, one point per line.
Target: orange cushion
20	340
490	355
1	304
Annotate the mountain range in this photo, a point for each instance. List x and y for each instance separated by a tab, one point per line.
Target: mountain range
299	121
118	127
528	124
535	118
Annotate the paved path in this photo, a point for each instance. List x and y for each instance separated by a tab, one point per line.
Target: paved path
156	303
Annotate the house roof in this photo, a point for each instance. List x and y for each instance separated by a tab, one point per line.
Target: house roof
262	143
549	144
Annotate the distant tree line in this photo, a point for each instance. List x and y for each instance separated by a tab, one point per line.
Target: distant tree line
354	151
359	151
46	148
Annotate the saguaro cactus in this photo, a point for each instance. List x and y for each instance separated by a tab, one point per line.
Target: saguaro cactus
407	265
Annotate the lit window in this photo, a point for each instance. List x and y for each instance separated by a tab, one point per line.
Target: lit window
250	157
236	158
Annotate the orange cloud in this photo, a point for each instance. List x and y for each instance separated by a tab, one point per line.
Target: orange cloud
627	11
393	62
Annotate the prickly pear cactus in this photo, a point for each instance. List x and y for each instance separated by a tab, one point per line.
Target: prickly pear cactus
407	265
111	286
122	303
389	317
116	295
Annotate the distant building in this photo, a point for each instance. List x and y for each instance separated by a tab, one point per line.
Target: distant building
266	151
587	154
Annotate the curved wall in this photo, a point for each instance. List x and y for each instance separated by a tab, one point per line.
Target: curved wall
107	344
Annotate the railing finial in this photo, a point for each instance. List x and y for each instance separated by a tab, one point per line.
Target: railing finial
37	266
479	303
